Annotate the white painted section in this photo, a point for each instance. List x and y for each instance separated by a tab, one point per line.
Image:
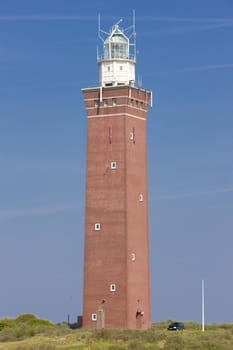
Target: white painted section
116	72
118	58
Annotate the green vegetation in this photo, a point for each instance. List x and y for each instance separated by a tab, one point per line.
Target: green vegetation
27	332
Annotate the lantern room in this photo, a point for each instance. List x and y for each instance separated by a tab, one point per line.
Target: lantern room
116	45
117	63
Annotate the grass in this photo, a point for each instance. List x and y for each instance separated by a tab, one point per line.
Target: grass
27	332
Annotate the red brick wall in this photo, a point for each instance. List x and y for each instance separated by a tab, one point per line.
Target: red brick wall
112	199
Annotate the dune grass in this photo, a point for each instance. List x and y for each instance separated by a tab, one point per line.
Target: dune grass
27	332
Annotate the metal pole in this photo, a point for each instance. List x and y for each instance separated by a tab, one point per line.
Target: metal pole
203	304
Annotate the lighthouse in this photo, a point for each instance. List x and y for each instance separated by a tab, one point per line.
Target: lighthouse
116	290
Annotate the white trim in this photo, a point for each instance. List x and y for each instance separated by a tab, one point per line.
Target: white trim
114	96
140	197
122	105
112	287
115	115
91	99
113	165
101	94
116	87
94	317
118	96
97	226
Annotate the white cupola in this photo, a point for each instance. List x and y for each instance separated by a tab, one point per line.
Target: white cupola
117	63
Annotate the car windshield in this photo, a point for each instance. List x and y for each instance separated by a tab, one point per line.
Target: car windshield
176	324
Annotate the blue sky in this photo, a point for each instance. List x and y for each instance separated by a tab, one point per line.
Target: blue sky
185	56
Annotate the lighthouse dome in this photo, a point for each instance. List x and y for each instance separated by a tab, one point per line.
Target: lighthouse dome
117	62
116	46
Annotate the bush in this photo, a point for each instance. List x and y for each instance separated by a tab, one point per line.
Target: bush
136	345
117	347
24	318
23	326
36	347
7	334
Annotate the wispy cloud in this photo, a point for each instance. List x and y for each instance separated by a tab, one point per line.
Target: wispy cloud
196	68
183	19
193	194
55	17
42	210
47	17
206	23
181	30
69	207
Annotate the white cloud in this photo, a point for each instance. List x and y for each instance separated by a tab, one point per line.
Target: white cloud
197	68
193	194
54	17
42	210
183	19
45	17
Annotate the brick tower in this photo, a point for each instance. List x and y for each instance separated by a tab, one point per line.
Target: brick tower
116	259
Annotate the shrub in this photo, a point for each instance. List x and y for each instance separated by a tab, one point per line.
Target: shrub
25	318
117	347
136	345
7	334
36	347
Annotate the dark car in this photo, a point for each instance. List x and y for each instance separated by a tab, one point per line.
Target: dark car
176	326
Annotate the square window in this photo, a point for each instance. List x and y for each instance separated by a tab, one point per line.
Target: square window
93	317
140	197
97	227
112	287
114	101
113	165
105	103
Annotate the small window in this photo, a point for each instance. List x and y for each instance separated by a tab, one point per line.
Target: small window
114	101
140	197
133	257
97	227
113	165
121	68
112	287
137	103
97	103
105	103
93	317
131	135
109	68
